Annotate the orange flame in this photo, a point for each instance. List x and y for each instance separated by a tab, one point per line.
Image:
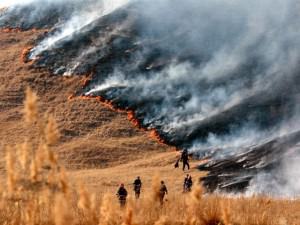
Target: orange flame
18	29
132	118
155	135
11	30
25	53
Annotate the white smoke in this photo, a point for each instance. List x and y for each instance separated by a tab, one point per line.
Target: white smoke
93	10
10	3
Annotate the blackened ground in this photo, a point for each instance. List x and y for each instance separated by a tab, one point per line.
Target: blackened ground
235	173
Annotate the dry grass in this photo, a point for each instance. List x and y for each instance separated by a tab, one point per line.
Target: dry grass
37	192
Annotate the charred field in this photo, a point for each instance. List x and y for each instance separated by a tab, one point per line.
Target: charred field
223	86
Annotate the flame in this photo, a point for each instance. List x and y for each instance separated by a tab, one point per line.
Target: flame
25	53
132	118
19	30
155	135
85	82
103	101
11	30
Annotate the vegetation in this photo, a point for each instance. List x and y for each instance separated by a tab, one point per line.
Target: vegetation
37	192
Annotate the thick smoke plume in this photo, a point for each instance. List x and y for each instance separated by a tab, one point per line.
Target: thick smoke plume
219	77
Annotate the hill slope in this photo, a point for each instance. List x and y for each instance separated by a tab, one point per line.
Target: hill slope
92	136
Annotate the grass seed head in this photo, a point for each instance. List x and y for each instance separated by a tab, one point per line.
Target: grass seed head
51	131
30	106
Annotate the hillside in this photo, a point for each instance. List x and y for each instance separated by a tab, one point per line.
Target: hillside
92	135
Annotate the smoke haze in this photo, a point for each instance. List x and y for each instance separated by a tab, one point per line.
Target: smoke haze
215	76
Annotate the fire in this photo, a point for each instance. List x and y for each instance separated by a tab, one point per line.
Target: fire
132	118
85	82
155	135
103	101
11	30
25	53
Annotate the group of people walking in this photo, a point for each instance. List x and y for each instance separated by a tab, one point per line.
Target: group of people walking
163	191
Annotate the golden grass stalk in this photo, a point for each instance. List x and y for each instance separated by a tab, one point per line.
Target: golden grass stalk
51	131
156	188
225	206
63	182
84	202
10	170
109	211
62	213
34	170
128	219
30	106
23	152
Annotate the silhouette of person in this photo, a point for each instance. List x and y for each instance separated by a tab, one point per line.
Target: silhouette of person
162	192
185	159
137	185
122	195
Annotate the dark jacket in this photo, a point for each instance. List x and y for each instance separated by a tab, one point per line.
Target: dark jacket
137	184
122	193
185	156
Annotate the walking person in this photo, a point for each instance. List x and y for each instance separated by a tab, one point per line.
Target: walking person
162	192
122	195
189	184
185	159
137	185
185	183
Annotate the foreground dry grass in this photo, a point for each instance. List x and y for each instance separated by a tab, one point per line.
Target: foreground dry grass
37	191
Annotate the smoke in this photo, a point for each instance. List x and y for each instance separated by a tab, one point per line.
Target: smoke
214	76
66	16
91	10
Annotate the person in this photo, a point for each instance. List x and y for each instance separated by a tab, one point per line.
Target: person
122	195
185	183
185	159
189	184
137	185
162	192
